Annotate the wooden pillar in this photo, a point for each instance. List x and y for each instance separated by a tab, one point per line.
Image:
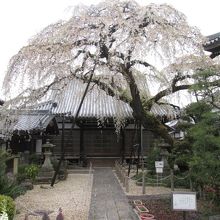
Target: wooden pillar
122	146
140	147
38	146
82	150
15	165
32	145
63	137
81	140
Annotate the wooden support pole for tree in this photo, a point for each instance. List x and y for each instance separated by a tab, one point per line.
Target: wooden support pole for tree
123	179
172	179
142	159
121	173
126	184
62	154
74	121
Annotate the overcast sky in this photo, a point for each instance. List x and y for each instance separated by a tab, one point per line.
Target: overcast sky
21	19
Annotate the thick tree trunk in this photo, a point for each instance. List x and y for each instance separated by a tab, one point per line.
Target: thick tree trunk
143	115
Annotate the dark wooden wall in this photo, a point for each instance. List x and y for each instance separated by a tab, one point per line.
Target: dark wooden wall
71	142
101	142
98	142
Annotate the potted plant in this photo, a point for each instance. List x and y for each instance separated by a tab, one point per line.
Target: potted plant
137	202
146	216
141	209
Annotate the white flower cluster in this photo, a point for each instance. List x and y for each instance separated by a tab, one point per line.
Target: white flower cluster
4	216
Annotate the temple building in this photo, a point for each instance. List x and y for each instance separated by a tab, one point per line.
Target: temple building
213	45
94	134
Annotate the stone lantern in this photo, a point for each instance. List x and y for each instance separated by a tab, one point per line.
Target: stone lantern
164	153
46	172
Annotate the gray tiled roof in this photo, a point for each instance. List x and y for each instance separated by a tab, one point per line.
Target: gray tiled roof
26	120
96	104
213	41
36	121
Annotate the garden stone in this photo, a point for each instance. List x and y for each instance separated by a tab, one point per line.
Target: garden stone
27	184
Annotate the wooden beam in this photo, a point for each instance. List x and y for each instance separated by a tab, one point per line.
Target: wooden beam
82	150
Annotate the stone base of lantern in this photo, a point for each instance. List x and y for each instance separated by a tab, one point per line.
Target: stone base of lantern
46	172
45	175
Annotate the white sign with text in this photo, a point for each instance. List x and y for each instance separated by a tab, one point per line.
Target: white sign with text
159	169
159	164
184	201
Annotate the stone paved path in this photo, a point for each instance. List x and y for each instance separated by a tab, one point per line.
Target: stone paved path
108	200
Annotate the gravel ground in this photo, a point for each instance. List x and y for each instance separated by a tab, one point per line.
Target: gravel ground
72	195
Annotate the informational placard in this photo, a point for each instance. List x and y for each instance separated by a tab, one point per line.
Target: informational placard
159	164
184	201
159	169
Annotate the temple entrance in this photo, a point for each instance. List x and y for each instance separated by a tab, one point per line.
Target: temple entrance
102	143
102	147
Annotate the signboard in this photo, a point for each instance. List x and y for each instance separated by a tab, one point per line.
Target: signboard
159	169
159	164
184	201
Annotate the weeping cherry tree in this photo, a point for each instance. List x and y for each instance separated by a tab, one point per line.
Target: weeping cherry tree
138	54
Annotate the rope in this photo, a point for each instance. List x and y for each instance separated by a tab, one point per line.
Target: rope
181	178
119	169
164	178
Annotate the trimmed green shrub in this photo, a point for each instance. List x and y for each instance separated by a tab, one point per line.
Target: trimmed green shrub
32	171
7	205
27	171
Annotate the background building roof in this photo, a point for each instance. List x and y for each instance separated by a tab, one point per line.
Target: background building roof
213	44
33	120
